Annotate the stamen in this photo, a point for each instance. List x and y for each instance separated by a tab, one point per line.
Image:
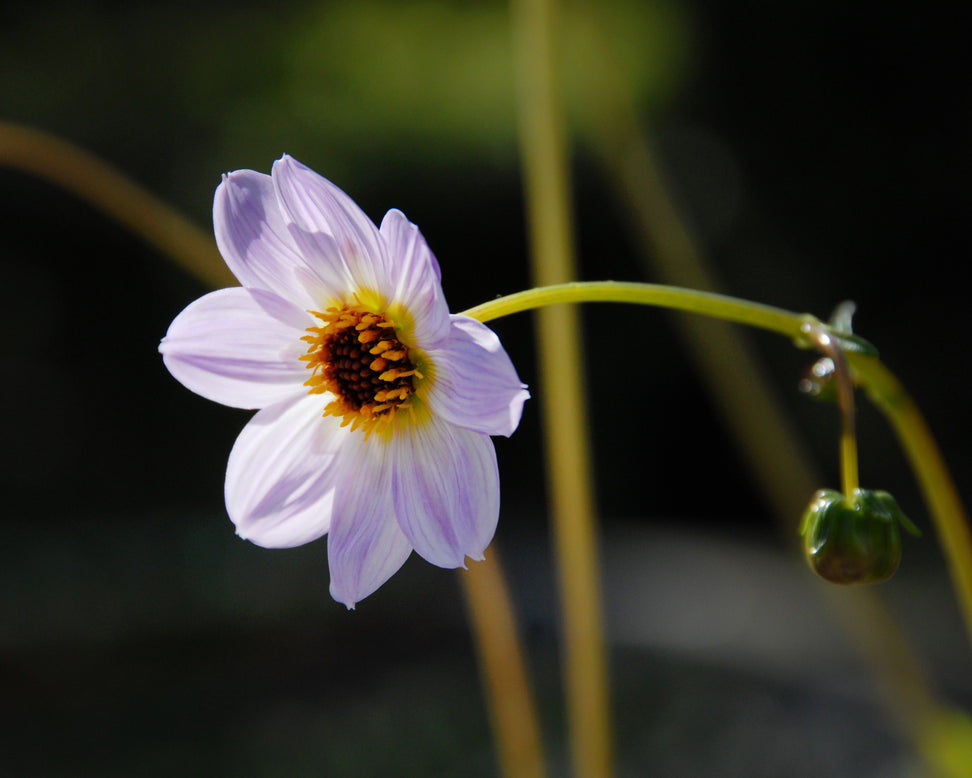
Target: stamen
383	346
349	357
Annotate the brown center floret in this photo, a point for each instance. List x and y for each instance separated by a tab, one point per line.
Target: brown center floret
356	355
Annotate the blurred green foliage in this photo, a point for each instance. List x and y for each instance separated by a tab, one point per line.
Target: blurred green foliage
236	84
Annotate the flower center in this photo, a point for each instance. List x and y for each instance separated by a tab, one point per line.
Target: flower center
355	354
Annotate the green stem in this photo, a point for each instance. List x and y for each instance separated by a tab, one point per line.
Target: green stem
885	391
705	303
929	468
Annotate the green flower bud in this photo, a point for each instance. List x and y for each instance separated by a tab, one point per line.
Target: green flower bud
856	540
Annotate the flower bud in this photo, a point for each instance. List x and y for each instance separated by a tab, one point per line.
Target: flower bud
856	540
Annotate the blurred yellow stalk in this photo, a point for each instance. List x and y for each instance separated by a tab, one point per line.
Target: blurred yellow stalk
543	151
512	709
110	191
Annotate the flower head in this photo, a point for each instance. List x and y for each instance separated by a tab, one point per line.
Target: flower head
376	404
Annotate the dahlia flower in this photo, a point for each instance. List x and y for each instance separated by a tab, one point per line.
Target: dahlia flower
375	403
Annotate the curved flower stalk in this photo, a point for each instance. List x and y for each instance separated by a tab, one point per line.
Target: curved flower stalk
376	404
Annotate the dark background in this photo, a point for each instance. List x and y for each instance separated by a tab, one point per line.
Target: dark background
818	151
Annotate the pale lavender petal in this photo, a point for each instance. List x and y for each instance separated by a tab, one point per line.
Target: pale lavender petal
257	245
321	251
347	240
239	347
282	471
419	288
446	490
475	384
365	546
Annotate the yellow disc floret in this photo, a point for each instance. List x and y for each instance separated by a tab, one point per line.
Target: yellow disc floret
355	355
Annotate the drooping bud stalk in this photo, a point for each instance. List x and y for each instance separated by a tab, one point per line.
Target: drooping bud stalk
839	372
